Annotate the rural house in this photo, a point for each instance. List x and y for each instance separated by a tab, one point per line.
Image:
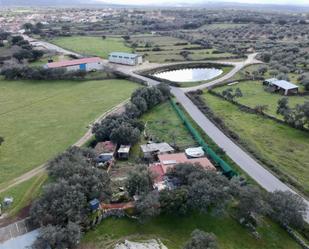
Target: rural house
168	161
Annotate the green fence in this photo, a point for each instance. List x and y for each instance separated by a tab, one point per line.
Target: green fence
226	168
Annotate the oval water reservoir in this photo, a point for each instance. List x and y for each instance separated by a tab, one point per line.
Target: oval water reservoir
189	74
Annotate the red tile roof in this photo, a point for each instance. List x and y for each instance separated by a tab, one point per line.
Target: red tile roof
158	173
169	160
105	147
73	62
123	206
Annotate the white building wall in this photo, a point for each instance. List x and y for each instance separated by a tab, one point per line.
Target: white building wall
94	66
89	67
126	61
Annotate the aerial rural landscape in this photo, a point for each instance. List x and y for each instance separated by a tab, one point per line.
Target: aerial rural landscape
154	124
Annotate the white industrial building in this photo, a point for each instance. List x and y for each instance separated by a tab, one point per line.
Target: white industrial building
84	64
125	58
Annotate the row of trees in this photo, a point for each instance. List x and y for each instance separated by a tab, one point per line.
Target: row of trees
231	94
204	191
62	209
126	128
25	50
39	73
297	116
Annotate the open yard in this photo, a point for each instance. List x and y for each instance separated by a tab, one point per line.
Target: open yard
163	125
175	231
280	145
23	194
254	94
91	45
41	119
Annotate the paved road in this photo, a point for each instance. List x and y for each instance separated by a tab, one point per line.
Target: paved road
50	46
254	169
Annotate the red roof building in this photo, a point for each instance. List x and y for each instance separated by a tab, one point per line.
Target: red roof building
76	62
105	147
168	161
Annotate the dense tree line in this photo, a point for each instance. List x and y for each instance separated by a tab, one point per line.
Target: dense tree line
39	73
25	51
204	191
125	128
62	209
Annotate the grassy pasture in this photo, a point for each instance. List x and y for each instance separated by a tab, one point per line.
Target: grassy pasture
24	193
282	146
163	125
175	231
91	45
170	49
41	119
254	94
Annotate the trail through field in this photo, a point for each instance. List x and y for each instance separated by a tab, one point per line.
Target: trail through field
117	109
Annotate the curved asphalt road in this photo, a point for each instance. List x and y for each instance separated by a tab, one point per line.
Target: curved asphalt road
254	169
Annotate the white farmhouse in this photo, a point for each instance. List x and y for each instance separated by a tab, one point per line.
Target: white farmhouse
84	64
125	58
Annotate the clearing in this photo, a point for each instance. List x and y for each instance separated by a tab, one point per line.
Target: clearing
92	45
280	145
40	119
175	231
254	94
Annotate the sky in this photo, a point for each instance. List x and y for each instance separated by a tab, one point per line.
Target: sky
289	2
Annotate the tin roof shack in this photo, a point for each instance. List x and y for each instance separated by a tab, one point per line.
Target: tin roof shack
94	204
153	149
105	147
282	85
124	152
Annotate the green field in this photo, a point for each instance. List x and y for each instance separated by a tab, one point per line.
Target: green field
254	94
280	145
163	125
41	119
170	49
23	194
175	231
92	46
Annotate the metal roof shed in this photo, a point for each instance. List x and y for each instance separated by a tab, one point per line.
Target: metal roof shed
282	84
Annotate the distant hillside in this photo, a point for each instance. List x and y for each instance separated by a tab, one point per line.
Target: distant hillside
206	4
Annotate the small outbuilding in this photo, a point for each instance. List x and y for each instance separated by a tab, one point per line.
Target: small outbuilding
282	85
125	58
152	149
105	147
124	152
